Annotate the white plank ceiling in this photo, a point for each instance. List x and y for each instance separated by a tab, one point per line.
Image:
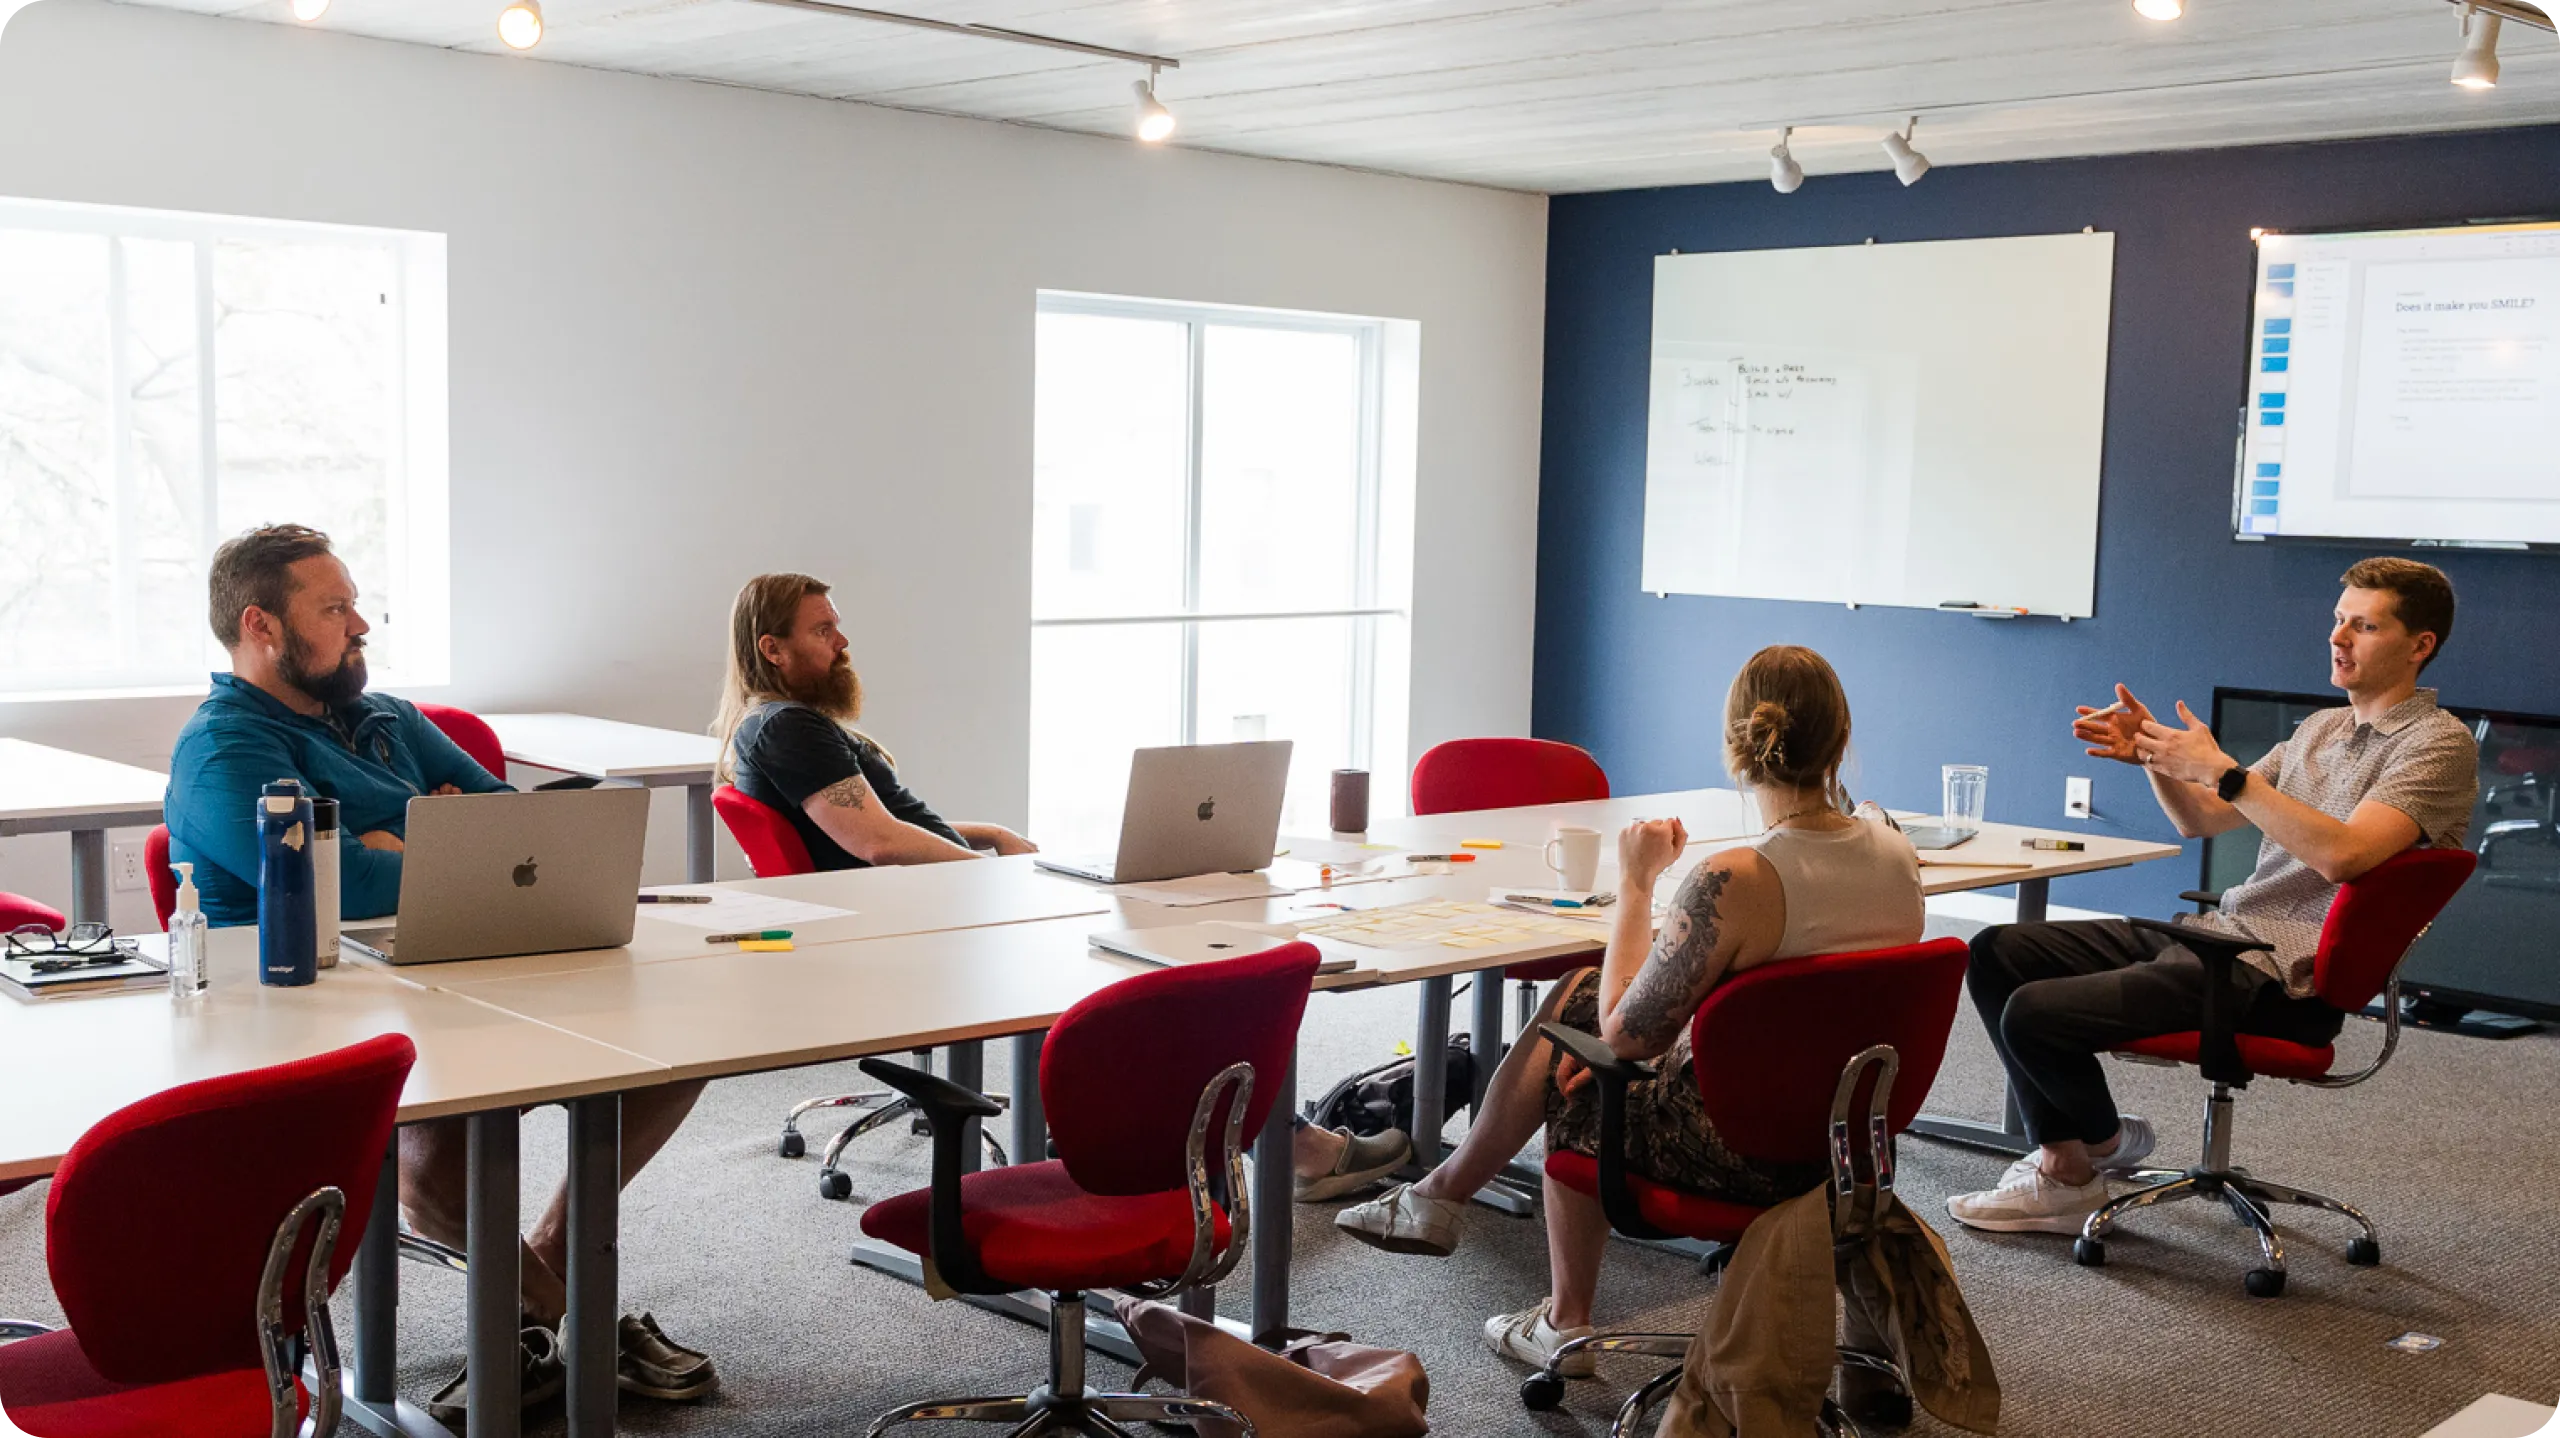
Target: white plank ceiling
1568	95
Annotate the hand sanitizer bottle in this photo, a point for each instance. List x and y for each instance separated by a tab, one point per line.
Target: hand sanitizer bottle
187	931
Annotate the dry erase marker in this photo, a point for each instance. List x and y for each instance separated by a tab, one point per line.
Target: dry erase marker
750	934
1442	858
2115	708
1542	903
675	898
2059	845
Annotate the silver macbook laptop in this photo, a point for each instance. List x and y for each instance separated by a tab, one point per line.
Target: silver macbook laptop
487	876
1194	809
1176	945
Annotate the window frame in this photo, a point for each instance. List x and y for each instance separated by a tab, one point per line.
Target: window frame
1367	609
416	478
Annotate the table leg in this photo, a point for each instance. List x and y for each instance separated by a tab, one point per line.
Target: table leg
494	1301
697	833
1487	1028
588	1335
378	1289
2011	1136
88	876
1030	1121
1274	1191
1430	1070
968	1068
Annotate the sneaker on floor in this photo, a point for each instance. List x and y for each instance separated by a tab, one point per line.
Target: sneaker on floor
1362	1162
539	1377
2134	1143
1403	1221
655	1366
1530	1338
2029	1200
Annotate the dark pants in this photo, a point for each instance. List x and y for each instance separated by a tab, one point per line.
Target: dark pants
2055	996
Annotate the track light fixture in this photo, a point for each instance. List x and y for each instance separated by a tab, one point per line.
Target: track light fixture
2159	9
1908	164
1155	122
307	11
520	24
1784	173
2476	68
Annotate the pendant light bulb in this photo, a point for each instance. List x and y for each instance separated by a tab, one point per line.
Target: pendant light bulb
1784	173
2476	68
1908	164
2159	9
1155	122
520	24
307	11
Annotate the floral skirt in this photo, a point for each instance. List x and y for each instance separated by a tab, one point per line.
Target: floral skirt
1668	1137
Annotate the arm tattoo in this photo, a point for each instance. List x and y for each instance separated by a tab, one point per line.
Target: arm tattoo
844	793
1673	981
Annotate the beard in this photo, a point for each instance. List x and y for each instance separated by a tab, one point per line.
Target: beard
836	693
336	686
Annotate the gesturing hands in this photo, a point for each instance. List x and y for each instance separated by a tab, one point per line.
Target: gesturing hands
1647	847
2111	733
2188	754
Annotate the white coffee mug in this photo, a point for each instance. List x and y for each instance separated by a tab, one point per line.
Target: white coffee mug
1574	855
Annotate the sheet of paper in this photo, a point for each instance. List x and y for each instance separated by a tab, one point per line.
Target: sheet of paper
1303	876
736	910
1446	923
1202	889
1336	851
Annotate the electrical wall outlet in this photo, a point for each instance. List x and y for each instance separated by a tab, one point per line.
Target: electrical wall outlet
125	862
2075	798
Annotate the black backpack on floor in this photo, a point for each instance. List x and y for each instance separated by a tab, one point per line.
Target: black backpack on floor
1375	1100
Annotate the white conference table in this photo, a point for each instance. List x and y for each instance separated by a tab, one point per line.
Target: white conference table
44	790
67	1063
617	753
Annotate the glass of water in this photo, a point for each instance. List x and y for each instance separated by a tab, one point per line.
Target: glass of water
1966	786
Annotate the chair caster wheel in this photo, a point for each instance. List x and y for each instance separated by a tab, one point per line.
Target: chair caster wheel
2364	1253
832	1184
2088	1253
2263	1282
792	1145
1541	1392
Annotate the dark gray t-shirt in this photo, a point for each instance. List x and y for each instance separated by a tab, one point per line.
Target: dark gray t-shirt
785	752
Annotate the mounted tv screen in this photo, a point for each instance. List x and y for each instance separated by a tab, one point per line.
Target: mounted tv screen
2404	388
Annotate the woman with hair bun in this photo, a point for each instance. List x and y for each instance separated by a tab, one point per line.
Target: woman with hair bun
1818	879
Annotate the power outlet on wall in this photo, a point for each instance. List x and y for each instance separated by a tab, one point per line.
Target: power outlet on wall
125	862
2075	798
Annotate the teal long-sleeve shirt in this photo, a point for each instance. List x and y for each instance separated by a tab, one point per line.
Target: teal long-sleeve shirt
373	756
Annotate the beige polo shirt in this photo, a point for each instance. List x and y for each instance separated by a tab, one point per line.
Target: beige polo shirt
2416	758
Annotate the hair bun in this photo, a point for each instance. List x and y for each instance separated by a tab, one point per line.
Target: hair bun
1766	732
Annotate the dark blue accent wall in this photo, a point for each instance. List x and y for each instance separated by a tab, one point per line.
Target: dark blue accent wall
2180	608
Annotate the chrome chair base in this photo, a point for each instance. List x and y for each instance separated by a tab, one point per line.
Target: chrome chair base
1063	1404
2250	1200
14	1328
833	1183
1544	1389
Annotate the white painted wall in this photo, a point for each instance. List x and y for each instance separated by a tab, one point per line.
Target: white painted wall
700	332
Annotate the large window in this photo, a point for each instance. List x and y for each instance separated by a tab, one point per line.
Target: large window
1210	554
169	380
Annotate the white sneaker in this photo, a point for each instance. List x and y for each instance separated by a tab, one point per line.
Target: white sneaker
1403	1221
2134	1143
2029	1200
1529	1337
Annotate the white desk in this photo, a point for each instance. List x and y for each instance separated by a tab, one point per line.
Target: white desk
67	1063
51	791
621	753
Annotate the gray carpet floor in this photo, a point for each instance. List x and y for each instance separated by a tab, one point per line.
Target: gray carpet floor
2450	1150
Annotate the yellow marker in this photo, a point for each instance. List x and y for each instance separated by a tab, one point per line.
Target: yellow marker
1479	843
764	946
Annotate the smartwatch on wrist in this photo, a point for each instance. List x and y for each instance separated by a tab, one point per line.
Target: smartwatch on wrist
2233	780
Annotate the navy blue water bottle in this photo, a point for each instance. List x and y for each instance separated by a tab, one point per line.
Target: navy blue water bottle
288	943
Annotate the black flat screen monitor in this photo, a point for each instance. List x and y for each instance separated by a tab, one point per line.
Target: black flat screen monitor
2497	945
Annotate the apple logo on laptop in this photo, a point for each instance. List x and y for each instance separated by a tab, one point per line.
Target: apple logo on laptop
524	874
1208	808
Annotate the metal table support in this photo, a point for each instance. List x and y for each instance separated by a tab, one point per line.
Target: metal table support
2011	1136
493	1302
589	1334
1030	1120
697	833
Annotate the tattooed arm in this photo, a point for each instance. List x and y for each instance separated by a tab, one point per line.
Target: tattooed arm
854	817
1729	910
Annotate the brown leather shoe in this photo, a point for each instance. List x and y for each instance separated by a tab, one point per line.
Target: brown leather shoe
654	1366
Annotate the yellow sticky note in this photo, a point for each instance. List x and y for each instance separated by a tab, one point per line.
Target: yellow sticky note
1479	843
764	946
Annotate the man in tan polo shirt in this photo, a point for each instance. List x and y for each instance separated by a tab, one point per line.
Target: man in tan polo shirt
2352	787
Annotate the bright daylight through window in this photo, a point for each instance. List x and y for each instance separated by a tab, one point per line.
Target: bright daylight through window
169	380
1218	551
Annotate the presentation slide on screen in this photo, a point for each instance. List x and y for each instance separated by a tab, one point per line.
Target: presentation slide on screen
2406	386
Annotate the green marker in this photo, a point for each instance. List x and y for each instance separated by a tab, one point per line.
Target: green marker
742	938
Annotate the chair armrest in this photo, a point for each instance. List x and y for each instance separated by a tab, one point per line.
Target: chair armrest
2217	1035
1612	1074
2202	898
953	1113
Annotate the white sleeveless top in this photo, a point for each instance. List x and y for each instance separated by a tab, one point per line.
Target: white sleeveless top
1847	889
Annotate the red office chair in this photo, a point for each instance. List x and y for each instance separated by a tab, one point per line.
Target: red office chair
1148	1192
184	1318
471	734
1780	1052
2371	925
17	911
162	879
774	850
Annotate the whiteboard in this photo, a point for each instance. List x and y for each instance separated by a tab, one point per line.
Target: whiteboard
1914	424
